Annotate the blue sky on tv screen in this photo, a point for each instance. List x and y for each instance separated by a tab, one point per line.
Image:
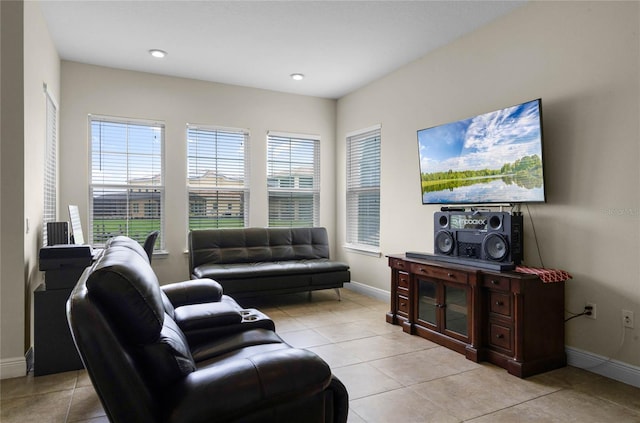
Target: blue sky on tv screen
486	141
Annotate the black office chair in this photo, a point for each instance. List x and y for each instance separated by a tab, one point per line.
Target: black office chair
149	243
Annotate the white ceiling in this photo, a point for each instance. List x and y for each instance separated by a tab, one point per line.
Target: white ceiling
339	45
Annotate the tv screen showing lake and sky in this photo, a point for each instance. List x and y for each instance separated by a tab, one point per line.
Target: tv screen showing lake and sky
494	157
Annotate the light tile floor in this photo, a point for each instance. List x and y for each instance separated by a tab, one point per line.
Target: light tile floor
390	375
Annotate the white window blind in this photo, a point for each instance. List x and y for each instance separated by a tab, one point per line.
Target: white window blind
127	179
50	166
363	188
293	180
218	177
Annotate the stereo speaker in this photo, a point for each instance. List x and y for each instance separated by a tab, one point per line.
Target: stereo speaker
491	236
57	233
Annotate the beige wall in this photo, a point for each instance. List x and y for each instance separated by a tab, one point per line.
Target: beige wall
90	89
41	66
582	59
29	60
12	281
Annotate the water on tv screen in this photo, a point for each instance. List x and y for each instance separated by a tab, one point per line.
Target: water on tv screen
491	158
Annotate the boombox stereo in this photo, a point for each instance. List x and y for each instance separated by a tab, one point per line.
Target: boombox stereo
492	236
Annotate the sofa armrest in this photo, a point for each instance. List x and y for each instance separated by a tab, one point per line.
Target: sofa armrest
195	291
247	386
206	315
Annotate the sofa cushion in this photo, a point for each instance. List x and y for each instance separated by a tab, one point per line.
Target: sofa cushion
125	241
193	292
231	271
262	385
248	245
127	289
234	343
207	315
168	358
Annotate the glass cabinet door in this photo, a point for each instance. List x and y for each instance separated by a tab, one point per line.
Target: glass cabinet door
444	307
456	309
427	301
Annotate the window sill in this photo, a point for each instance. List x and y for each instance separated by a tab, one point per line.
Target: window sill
160	254
362	249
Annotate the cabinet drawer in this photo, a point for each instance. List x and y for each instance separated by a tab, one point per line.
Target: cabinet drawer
398	264
403	280
500	303
496	282
500	336
439	273
402	305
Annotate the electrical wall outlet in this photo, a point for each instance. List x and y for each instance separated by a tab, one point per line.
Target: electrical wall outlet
593	310
627	319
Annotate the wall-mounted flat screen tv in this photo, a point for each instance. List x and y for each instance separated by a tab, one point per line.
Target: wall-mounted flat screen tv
492	158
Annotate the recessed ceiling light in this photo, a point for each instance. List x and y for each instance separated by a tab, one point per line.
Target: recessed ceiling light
297	76
157	53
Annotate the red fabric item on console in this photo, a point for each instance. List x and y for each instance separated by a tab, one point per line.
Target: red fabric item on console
546	275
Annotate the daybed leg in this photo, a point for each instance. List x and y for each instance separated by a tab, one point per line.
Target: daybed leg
309	296
338	292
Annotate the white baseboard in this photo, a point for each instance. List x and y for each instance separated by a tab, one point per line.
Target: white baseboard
13	367
612	369
594	363
369	291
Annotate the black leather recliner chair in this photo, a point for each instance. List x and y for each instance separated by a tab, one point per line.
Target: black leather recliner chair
144	368
199	306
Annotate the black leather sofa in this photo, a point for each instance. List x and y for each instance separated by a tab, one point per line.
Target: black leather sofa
250	262
188	353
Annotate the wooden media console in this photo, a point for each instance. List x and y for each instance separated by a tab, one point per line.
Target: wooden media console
512	319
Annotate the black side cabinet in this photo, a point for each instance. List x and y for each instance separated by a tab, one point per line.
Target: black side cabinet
54	350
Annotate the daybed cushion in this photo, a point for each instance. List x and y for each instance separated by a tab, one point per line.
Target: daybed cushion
231	271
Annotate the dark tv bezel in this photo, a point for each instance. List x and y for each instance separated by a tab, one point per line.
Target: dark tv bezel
495	203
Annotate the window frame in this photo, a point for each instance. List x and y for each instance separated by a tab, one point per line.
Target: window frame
159	188
246	174
354	188
274	166
50	177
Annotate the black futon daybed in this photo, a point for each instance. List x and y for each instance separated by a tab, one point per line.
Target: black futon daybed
250	262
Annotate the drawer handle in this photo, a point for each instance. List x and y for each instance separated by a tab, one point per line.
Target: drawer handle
495	282
451	275
499	336
499	303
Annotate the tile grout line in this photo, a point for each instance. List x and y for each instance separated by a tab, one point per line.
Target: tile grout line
516	404
73	391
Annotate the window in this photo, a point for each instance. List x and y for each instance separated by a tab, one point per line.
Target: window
293	180
363	189
218	177
50	166
127	179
